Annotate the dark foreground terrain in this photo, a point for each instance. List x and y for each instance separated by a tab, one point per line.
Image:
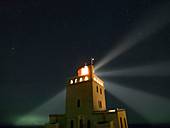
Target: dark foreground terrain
129	126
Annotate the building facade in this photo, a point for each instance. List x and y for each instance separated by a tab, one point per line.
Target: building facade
86	105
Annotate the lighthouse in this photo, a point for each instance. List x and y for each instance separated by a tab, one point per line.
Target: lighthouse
86	104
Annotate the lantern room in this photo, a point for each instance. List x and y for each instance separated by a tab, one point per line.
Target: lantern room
85	74
83	71
86	70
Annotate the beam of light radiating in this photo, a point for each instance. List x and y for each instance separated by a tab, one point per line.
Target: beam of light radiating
147	70
154	108
40	115
149	24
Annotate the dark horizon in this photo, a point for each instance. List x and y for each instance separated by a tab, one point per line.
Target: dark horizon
129	126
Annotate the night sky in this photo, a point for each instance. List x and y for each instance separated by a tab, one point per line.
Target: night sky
45	42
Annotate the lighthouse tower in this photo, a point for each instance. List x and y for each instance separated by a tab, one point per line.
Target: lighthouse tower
85	93
86	105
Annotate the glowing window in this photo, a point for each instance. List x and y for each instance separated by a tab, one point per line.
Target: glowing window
101	84
111	110
94	78
85	70
86	78
75	80
81	79
97	81
71	81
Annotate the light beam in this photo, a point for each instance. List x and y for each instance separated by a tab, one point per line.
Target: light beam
160	69
154	108
40	115
150	23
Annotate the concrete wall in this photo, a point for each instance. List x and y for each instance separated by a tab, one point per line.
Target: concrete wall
122	114
53	118
80	91
97	120
56	125
98	97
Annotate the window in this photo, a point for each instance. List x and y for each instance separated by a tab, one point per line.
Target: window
100	104
81	123
71	81
97	89
81	79
78	103
121	125
86	78
75	80
100	91
125	123
71	124
88	124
